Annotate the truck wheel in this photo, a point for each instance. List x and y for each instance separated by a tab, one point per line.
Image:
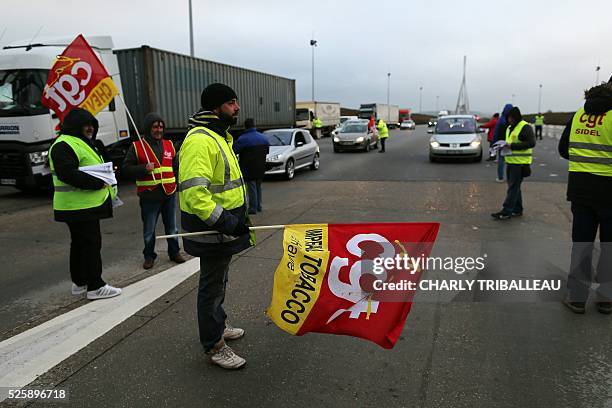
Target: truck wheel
315	162
289	169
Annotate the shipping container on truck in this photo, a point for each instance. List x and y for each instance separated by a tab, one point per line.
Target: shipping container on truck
169	83
388	113
148	79
327	112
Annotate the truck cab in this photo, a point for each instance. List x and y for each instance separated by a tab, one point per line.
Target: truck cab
27	128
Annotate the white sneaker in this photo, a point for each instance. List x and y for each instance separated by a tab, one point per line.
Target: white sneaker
78	290
499	180
106	291
232	333
226	358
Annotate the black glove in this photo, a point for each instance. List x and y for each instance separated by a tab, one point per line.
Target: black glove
240	229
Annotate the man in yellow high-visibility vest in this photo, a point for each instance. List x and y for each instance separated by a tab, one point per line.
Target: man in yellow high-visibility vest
539	124
212	196
81	201
520	140
587	143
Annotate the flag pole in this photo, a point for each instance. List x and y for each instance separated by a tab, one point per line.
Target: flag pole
191	234
137	133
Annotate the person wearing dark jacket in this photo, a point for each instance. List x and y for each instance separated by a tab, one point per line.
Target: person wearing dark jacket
500	134
520	140
252	148
587	143
145	162
81	201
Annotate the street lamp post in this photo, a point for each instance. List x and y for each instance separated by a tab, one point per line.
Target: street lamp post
597	69
437	102
191	52
313	44
388	96
513	96
540	100
420	99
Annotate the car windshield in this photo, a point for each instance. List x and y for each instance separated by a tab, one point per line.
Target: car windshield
456	125
302	114
21	92
279	138
354	128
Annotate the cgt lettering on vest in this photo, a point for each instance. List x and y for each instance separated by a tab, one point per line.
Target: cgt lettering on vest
304	289
591	121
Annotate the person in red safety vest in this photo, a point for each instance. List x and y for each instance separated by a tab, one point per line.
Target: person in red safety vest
152	163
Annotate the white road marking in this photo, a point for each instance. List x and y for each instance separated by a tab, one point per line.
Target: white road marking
32	353
554	175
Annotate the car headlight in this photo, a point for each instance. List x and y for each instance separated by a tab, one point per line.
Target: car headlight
475	143
336	139
275	157
434	144
37	158
359	139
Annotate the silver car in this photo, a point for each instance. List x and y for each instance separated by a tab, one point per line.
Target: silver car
354	135
456	136
291	150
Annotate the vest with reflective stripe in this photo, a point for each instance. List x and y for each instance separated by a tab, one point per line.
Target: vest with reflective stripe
518	156
590	143
67	197
539	120
383	130
317	123
162	173
210	179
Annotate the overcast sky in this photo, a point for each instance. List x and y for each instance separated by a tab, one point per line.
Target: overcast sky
512	47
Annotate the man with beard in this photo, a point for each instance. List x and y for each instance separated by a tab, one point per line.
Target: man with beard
212	196
151	161
587	144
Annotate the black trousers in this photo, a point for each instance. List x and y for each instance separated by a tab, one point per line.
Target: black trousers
586	222
538	132
211	295
382	144
85	258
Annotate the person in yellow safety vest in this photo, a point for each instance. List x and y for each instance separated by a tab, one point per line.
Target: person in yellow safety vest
383	134
212	196
318	125
587	143
539	124
81	201
521	141
151	161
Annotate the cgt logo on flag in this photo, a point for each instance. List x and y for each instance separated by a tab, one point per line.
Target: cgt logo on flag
78	79
324	280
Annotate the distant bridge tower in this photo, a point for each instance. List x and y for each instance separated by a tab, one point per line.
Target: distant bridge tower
463	102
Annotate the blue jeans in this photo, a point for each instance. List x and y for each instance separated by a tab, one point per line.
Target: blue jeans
149	211
254	191
211	295
500	165
514	197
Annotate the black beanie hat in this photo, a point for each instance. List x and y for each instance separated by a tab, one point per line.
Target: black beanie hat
215	95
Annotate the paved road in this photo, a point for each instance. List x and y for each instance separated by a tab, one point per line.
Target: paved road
458	349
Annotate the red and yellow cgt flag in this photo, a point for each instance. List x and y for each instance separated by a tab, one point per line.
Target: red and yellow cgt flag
78	79
325	281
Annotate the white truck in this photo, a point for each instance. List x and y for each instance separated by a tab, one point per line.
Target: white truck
327	112
149	79
27	128
388	113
